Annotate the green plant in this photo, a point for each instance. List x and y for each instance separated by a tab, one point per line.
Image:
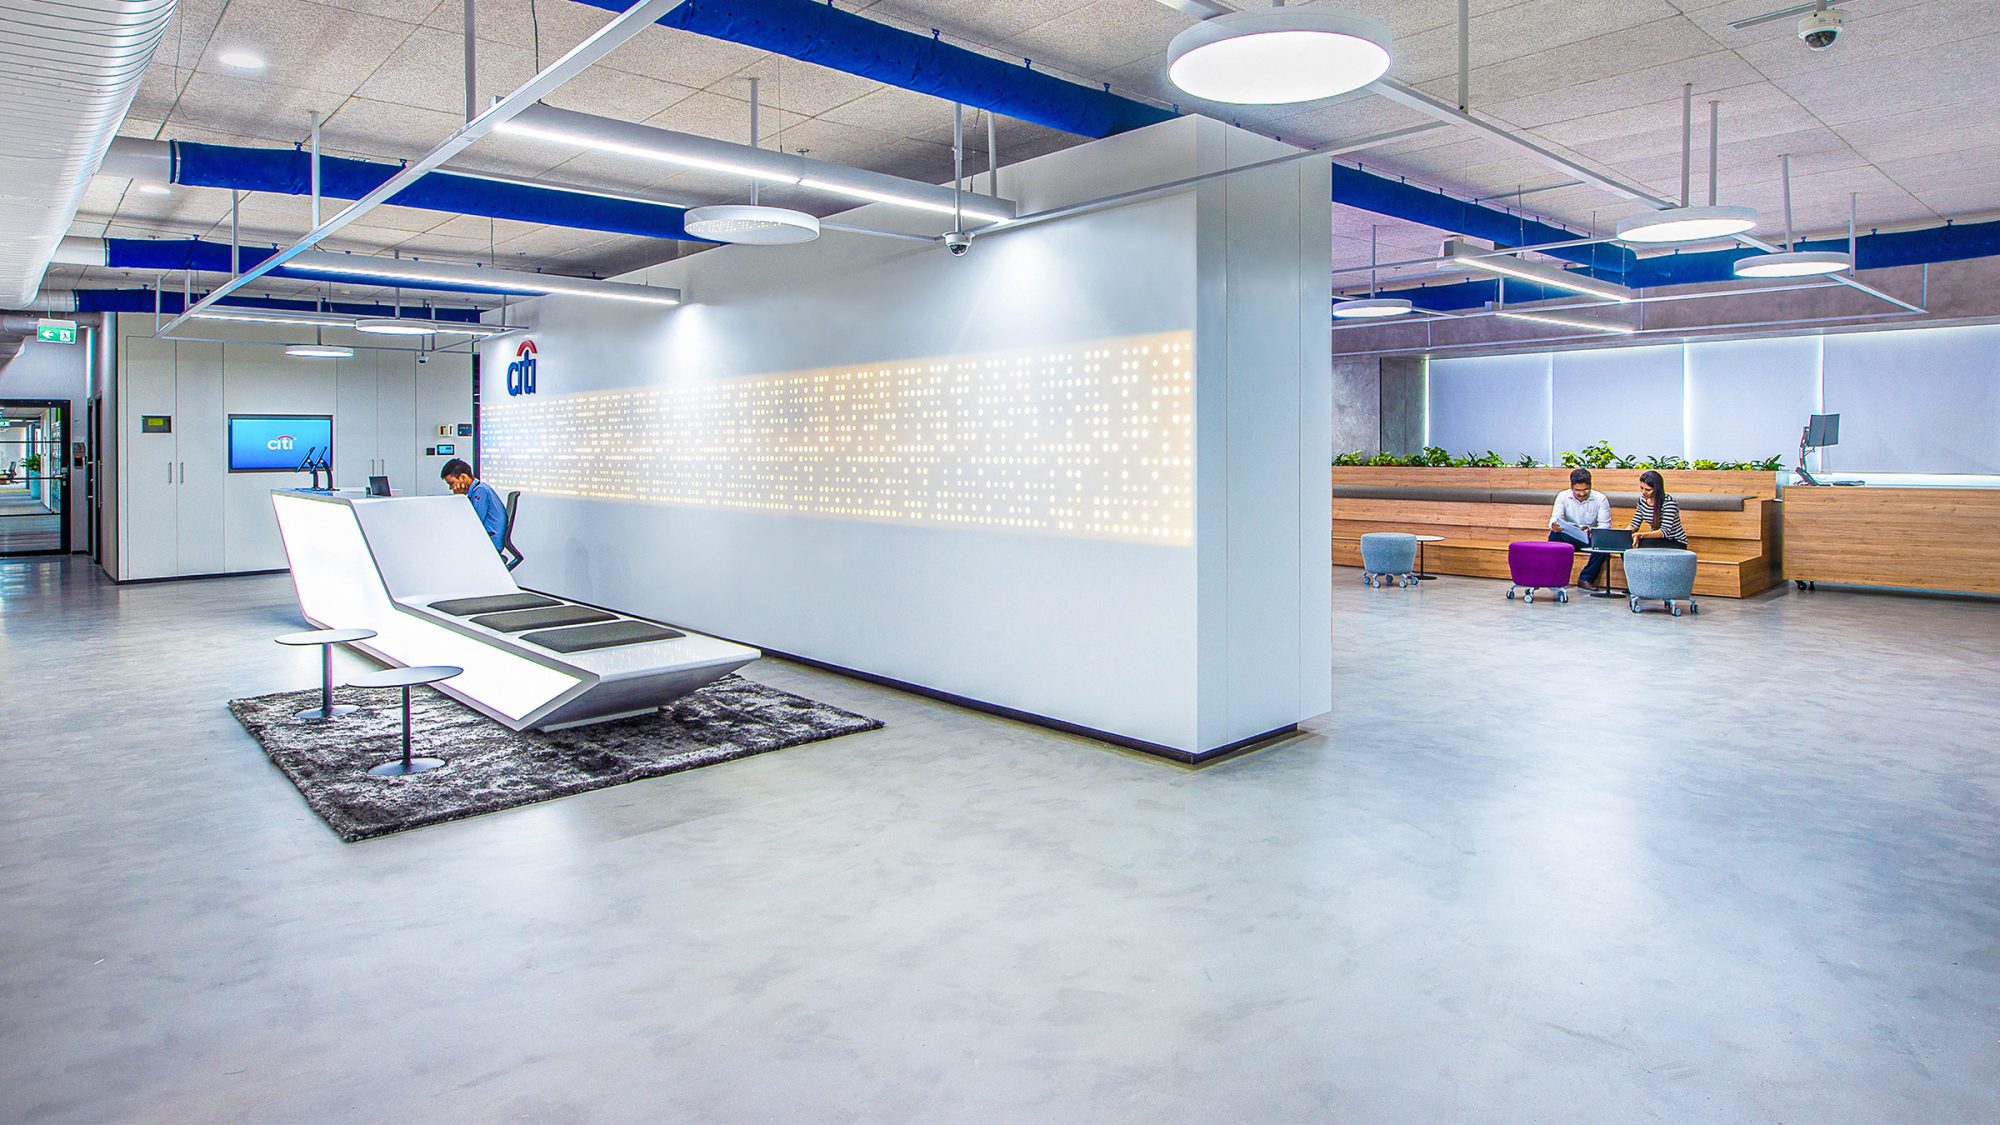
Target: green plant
1705	465
1770	464
1434	456
1599	455
1385	458
1670	461
1355	458
33	462
1526	461
1486	460
1571	460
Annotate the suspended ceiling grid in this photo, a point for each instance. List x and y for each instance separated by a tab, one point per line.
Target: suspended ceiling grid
1898	111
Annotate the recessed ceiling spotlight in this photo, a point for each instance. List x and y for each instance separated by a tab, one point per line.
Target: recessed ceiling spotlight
1371	308
156	189
1278	56
241	60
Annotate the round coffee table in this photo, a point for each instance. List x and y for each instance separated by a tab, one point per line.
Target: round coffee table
1421	540
405	678
325	639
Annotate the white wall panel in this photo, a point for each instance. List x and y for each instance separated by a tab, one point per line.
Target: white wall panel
1920	401
1632	397
1748	399
1498	402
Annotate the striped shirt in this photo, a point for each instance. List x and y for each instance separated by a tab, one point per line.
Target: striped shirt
1670	519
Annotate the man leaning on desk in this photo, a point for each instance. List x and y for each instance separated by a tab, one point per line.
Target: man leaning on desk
486	502
1583	509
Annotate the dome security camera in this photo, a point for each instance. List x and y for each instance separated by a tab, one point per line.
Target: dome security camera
958	242
1819	29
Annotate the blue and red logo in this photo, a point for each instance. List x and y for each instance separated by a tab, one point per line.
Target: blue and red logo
521	372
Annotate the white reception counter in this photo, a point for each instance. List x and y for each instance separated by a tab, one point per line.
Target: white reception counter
386	563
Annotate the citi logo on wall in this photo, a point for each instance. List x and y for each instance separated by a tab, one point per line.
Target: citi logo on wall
521	372
282	441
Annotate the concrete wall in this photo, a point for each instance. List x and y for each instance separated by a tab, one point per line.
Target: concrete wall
1357	405
1404	405
1067	474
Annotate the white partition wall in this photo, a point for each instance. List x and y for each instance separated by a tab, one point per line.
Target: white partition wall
1746	399
1498	402
1922	400
1636	393
1066	474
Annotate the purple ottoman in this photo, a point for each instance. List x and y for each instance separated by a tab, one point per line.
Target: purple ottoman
1537	565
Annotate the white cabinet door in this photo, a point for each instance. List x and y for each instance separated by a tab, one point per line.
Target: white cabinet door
149	463
354	455
444	398
202	462
395	419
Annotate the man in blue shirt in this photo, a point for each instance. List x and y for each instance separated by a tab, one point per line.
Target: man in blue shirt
485	502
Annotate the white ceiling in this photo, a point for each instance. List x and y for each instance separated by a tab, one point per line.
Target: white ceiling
1901	111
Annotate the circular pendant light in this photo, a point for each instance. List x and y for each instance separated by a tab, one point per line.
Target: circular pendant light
1371	308
1798	263
320	351
1278	56
752	225
1687	224
395	326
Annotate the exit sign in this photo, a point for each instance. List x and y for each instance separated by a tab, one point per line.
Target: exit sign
56	331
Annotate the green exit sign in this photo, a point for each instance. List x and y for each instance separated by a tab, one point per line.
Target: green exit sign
56	331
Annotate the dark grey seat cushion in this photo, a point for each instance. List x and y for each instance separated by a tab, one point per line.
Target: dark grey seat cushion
546	618
493	603
610	634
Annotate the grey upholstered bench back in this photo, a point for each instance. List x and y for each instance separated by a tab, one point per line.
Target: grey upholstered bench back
1688	501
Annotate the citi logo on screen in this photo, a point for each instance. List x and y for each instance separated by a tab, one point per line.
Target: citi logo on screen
282	441
521	372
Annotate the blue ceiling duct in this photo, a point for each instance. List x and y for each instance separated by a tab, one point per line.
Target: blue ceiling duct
171	303
822	34
1366	191
175	255
289	172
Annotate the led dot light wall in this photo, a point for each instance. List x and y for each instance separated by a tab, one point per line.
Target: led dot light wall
1091	441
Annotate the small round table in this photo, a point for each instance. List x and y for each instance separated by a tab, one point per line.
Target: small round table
325	639
1421	540
1609	553
405	678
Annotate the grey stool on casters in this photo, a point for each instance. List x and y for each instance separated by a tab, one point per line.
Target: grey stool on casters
405	678
326	639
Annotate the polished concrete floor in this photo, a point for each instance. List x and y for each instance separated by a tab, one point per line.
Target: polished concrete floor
1542	863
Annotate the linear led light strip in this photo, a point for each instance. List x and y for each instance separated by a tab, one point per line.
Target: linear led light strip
1460	254
312	320
480	277
1612	327
687	150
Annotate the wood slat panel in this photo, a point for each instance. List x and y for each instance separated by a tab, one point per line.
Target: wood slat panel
1912	538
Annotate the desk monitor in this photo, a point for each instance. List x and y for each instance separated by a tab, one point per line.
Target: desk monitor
378	486
1823	430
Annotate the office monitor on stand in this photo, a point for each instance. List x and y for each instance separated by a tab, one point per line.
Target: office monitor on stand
1821	431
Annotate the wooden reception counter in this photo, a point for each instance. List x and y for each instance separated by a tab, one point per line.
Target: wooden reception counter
1911	538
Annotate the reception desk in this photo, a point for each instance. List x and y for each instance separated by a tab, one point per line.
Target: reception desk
420	572
1908	538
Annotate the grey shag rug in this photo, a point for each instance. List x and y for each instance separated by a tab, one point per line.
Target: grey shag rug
489	767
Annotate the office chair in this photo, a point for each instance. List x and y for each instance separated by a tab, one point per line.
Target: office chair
507	534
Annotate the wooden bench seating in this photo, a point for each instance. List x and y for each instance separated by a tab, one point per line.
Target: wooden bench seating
1732	522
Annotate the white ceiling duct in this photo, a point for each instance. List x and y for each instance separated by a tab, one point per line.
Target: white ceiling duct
68	71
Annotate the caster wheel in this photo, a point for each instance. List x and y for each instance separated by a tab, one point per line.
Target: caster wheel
1801	583
1562	597
1529	597
1694	607
1674	609
1403	582
1367	581
1510	593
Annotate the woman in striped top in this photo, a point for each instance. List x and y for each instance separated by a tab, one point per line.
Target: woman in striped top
1657	521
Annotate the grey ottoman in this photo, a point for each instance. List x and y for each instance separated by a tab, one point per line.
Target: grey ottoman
1388	556
1661	575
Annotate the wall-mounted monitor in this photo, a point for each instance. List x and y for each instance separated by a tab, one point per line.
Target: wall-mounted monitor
277	443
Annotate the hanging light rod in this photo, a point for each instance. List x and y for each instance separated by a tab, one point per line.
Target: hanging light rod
1278	56
646	142
1688	223
1459	254
413	272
